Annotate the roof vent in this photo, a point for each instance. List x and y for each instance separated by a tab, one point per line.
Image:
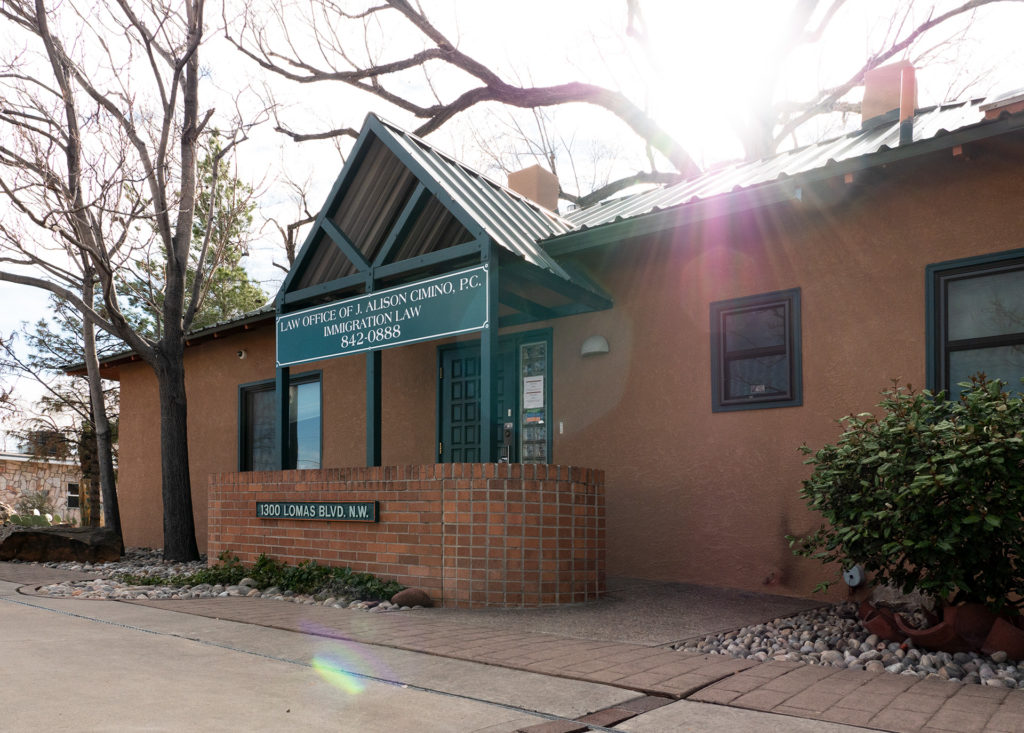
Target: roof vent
537	184
1009	103
889	89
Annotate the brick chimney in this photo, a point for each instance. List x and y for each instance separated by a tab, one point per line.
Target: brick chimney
537	184
887	89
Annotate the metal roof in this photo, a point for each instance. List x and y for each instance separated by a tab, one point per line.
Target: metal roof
512	221
929	123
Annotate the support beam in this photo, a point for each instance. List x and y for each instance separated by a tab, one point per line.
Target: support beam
373	421
489	361
412	210
282	384
438	257
345	245
329	288
373	416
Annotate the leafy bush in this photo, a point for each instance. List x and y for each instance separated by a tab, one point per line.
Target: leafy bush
929	496
308	577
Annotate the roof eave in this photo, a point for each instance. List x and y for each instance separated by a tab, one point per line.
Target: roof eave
766	194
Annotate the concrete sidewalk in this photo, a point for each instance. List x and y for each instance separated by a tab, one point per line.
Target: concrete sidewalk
646	671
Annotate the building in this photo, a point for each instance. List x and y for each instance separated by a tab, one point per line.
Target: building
23	475
676	347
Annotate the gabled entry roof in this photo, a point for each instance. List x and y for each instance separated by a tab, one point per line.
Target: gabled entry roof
401	209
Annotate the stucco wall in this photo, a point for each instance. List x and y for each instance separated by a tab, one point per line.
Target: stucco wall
691	495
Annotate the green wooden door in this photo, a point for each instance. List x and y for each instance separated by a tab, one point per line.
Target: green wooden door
521	357
459	387
460	405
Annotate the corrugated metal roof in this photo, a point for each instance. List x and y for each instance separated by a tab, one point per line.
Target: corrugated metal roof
512	221
929	122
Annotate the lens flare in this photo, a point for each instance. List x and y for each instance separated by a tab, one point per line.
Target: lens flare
343	664
332	668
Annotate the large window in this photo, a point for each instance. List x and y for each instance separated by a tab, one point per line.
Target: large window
257	444
755	352
976	320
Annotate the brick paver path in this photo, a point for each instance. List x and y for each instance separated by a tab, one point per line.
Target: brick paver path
880	701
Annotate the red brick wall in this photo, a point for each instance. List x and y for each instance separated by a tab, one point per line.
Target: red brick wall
468	534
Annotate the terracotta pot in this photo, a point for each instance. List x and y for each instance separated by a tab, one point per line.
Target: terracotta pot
1005	636
973	622
880	621
940	637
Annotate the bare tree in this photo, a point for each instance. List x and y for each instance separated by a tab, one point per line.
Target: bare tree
326	42
100	128
284	40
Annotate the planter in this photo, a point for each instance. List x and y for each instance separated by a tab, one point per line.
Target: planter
942	636
1005	636
880	621
973	622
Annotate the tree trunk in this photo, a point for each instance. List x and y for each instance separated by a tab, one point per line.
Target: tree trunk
89	500
179	523
104	451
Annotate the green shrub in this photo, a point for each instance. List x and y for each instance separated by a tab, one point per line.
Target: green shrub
308	577
929	496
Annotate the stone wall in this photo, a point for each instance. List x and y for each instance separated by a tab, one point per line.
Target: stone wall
21	474
470	535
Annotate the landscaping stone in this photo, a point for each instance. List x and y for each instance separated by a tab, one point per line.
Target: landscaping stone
59	544
411	597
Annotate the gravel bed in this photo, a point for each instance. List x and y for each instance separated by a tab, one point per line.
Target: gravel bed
831	636
834	637
149	563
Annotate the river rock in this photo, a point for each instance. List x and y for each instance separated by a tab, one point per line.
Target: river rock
411	597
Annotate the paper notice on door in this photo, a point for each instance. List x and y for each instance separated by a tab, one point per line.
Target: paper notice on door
533	392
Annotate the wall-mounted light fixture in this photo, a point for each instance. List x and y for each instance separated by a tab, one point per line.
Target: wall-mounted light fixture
594	345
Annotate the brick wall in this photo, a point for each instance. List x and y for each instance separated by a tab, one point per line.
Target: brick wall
469	534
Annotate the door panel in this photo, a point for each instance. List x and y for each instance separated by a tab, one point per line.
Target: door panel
459	408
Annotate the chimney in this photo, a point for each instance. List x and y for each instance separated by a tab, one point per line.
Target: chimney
889	89
536	184
1009	103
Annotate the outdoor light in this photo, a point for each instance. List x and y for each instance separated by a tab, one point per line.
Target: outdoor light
594	345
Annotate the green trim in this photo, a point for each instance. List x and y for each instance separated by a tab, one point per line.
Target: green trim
448	255
427	178
271	385
346	245
341	184
768	193
596	300
413	208
329	288
791	299
934	320
509	343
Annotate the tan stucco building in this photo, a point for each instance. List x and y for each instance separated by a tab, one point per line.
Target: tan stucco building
686	341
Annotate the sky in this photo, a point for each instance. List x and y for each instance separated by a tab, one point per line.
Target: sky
698	65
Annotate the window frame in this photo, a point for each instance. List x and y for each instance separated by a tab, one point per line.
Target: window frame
719	310
268	385
937	277
77	494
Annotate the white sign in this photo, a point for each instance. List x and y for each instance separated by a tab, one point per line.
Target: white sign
533	392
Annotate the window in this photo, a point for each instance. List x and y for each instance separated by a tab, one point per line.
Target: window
755	352
976	320
257	444
73	497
